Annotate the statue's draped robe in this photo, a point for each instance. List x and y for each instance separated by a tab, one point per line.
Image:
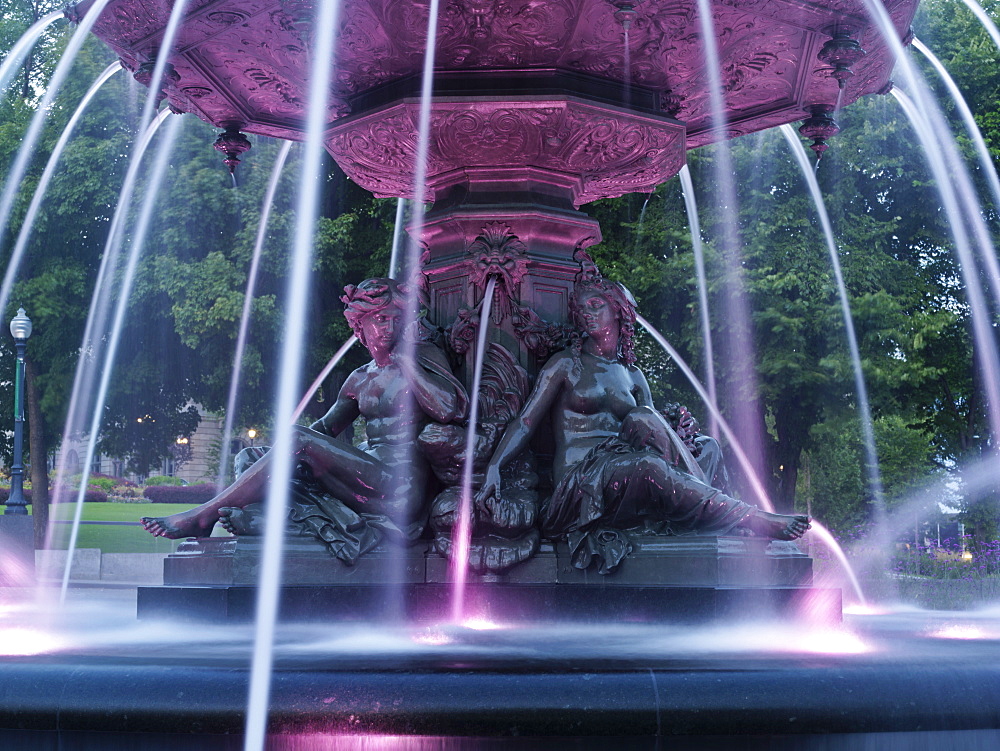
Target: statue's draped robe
608	492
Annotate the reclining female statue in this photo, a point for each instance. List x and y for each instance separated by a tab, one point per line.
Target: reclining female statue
613	467
401	390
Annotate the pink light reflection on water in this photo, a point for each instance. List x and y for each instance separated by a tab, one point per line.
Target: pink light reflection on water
858	608
22	641
959	631
432	637
832	642
368	742
481	623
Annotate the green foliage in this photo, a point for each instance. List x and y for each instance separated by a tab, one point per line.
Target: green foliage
163	480
835	485
107	484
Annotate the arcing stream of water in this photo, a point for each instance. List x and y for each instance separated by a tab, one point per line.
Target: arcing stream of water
34	131
960	203
43	183
861	389
694	225
86	374
300	263
760	492
737	346
241	339
461	541
17	53
982	150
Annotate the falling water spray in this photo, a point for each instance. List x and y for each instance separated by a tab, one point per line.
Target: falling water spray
276	508
959	201
985	20
861	389
20	50
27	224
462	535
407	270
744	461
123	289
694	224
739	340
971	127
248	296
30	137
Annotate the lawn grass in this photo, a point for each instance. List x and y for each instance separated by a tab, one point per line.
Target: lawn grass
129	537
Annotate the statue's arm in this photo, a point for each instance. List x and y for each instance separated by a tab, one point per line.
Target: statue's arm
440	395
521	429
344	410
640	389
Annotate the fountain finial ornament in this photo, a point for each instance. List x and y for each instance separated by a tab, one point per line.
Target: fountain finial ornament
626	13
232	143
842	52
819	127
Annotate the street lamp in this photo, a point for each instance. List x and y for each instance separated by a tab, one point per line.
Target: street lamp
252	434
20	329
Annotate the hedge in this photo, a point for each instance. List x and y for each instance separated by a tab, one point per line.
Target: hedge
163	480
180	493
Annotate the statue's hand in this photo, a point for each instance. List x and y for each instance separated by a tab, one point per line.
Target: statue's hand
687	425
489	490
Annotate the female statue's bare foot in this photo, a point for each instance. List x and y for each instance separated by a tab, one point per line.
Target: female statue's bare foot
238	521
175	526
777	526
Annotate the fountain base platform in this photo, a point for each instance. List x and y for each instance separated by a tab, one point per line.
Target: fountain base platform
665	579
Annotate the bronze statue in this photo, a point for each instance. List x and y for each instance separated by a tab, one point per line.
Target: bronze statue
383	483
613	464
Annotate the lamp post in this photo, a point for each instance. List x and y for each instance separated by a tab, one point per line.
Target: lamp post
20	329
252	435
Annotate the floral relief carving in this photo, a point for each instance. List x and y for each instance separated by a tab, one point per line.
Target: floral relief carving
612	153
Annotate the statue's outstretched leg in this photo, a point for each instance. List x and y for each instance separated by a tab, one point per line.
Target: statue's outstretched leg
338	465
777	526
644	485
241	521
199	522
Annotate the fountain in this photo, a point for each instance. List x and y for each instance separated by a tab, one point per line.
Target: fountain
537	109
584	99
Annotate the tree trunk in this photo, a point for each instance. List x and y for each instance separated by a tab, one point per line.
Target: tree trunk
38	453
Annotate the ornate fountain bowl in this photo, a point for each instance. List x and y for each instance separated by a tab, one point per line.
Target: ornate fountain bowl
568	144
245	64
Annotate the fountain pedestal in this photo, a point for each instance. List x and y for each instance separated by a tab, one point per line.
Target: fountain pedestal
672	579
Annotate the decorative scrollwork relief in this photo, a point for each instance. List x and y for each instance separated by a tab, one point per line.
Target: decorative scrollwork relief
249	61
611	152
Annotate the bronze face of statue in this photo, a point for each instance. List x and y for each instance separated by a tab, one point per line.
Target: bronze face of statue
613	465
402	389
